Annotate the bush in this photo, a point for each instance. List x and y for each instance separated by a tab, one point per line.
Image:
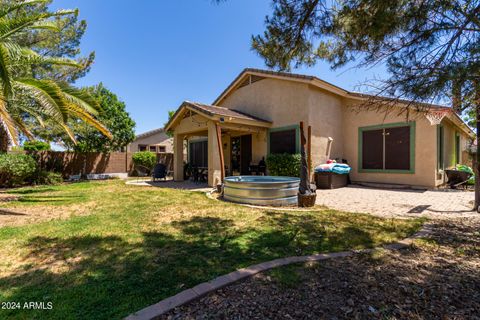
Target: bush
16	169
36	146
284	164
145	158
465	168
47	177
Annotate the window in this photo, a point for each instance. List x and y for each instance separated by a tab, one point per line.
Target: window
440	147
457	148
142	147
162	149
198	154
283	140
388	148
153	148
372	149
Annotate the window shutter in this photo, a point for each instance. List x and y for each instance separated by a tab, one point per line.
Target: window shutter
397	148
372	149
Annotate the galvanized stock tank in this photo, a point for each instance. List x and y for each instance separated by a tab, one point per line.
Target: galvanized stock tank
261	190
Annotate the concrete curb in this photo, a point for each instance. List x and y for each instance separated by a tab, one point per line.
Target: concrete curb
155	310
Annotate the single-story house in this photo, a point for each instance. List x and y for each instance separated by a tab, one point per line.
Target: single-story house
154	140
260	111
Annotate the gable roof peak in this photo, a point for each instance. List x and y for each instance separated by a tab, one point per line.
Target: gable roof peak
279	75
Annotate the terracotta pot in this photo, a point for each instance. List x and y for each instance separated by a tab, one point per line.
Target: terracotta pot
306	200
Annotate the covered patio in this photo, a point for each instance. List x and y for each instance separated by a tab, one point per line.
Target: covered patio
221	141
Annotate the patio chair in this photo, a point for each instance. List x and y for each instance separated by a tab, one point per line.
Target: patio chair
159	172
194	174
141	171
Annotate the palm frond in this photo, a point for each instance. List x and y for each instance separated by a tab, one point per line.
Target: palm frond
89	119
69	132
81	98
33	57
48	94
5	75
7	9
12	26
20	125
8	123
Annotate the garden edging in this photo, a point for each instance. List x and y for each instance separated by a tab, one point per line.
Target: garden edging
155	310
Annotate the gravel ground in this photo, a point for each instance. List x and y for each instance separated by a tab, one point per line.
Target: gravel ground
437	278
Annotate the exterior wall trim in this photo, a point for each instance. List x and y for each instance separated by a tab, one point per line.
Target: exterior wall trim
411	124
440	148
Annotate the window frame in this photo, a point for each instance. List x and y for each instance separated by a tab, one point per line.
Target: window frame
285	128
140	146
457	148
410	124
440	147
162	149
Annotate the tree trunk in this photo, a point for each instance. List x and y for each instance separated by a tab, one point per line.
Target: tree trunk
476	160
4	141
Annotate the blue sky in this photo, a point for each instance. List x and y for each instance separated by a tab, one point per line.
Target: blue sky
156	53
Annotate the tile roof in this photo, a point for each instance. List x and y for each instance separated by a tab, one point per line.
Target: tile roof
221	111
211	110
149	133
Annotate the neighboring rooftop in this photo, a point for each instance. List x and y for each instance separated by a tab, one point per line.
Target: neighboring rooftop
149	133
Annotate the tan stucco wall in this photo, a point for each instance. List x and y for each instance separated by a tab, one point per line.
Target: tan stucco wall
191	125
326	119
425	147
449	144
286	103
279	101
158	139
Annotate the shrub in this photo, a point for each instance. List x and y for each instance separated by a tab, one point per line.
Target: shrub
284	164
47	177
16	169
36	146
145	158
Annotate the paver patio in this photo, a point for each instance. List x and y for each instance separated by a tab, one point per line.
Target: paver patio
399	202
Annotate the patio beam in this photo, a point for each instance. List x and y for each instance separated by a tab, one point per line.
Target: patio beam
241	128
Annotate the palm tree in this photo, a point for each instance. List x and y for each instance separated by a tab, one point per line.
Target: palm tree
23	95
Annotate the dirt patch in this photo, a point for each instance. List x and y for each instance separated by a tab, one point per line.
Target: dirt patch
5	197
18	216
436	278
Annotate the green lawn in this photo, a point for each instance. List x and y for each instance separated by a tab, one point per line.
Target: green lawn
133	246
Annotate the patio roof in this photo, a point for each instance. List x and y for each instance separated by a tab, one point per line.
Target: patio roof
216	113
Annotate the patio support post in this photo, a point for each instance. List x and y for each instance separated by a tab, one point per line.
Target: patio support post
214	166
220	152
309	153
178	157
